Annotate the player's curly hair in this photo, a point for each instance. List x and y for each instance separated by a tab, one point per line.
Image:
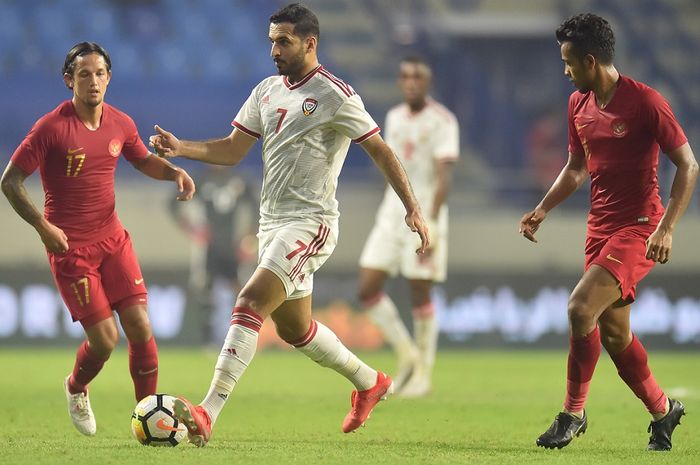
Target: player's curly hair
84	48
304	20
590	35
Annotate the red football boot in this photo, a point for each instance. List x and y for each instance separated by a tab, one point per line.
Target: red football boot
364	401
195	418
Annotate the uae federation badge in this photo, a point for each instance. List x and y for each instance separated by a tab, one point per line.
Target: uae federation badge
309	106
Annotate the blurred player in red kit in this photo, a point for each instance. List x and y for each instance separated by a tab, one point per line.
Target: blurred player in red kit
76	147
616	127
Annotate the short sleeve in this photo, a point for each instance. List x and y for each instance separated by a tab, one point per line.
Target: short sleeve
662	122
353	121
446	146
575	145
133	148
248	118
31	153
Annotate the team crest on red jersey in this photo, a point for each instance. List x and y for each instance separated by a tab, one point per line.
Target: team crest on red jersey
619	128
309	106
115	147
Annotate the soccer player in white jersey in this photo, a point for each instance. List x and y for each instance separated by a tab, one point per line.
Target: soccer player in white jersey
306	118
425	136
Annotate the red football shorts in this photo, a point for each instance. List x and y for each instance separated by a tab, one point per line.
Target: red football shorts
99	277
623	254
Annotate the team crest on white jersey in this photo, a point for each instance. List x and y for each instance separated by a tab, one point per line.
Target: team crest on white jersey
309	106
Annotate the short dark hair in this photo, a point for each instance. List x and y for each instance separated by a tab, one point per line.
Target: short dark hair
590	35
81	49
415	60
304	20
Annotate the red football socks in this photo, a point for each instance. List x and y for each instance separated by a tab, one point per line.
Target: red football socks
583	356
87	366
632	367
143	365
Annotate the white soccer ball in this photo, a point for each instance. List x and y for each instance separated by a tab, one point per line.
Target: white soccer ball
153	423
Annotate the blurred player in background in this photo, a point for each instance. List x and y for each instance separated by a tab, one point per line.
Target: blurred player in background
306	118
425	136
76	147
220	222
616	127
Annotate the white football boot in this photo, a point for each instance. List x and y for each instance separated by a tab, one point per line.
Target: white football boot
418	385
80	411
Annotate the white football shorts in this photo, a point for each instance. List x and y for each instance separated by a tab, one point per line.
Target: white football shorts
391	248
294	251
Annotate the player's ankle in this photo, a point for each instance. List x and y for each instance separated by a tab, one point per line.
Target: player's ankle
578	413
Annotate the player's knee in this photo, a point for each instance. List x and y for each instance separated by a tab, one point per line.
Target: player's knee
136	325
138	331
579	312
614	340
102	343
254	299
368	295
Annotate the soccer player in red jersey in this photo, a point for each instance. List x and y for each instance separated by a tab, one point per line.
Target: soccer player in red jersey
76	147
616	127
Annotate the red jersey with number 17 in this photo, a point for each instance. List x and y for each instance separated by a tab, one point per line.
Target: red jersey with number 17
77	169
621	145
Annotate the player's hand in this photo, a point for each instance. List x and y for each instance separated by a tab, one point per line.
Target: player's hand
185	185
432	225
530	223
165	143
415	221
53	237
659	245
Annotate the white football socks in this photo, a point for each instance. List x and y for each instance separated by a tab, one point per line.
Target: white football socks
426	333
323	347
385	315
237	352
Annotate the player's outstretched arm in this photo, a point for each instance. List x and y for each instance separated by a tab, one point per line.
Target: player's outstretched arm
227	151
659	244
163	170
12	184
395	175
569	180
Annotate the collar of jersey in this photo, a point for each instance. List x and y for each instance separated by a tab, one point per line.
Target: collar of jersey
303	80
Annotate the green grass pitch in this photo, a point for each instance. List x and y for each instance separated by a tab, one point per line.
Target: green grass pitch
487	407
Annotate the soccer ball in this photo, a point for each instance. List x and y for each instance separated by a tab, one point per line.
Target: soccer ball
153	423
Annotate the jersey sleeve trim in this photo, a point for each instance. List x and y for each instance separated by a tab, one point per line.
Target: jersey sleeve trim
238	125
367	135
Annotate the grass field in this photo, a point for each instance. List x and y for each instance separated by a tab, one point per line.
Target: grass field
487	407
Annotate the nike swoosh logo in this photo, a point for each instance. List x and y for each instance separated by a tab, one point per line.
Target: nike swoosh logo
161	424
141	372
138	281
72	151
581	126
611	258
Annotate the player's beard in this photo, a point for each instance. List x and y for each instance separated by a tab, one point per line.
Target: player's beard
294	66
